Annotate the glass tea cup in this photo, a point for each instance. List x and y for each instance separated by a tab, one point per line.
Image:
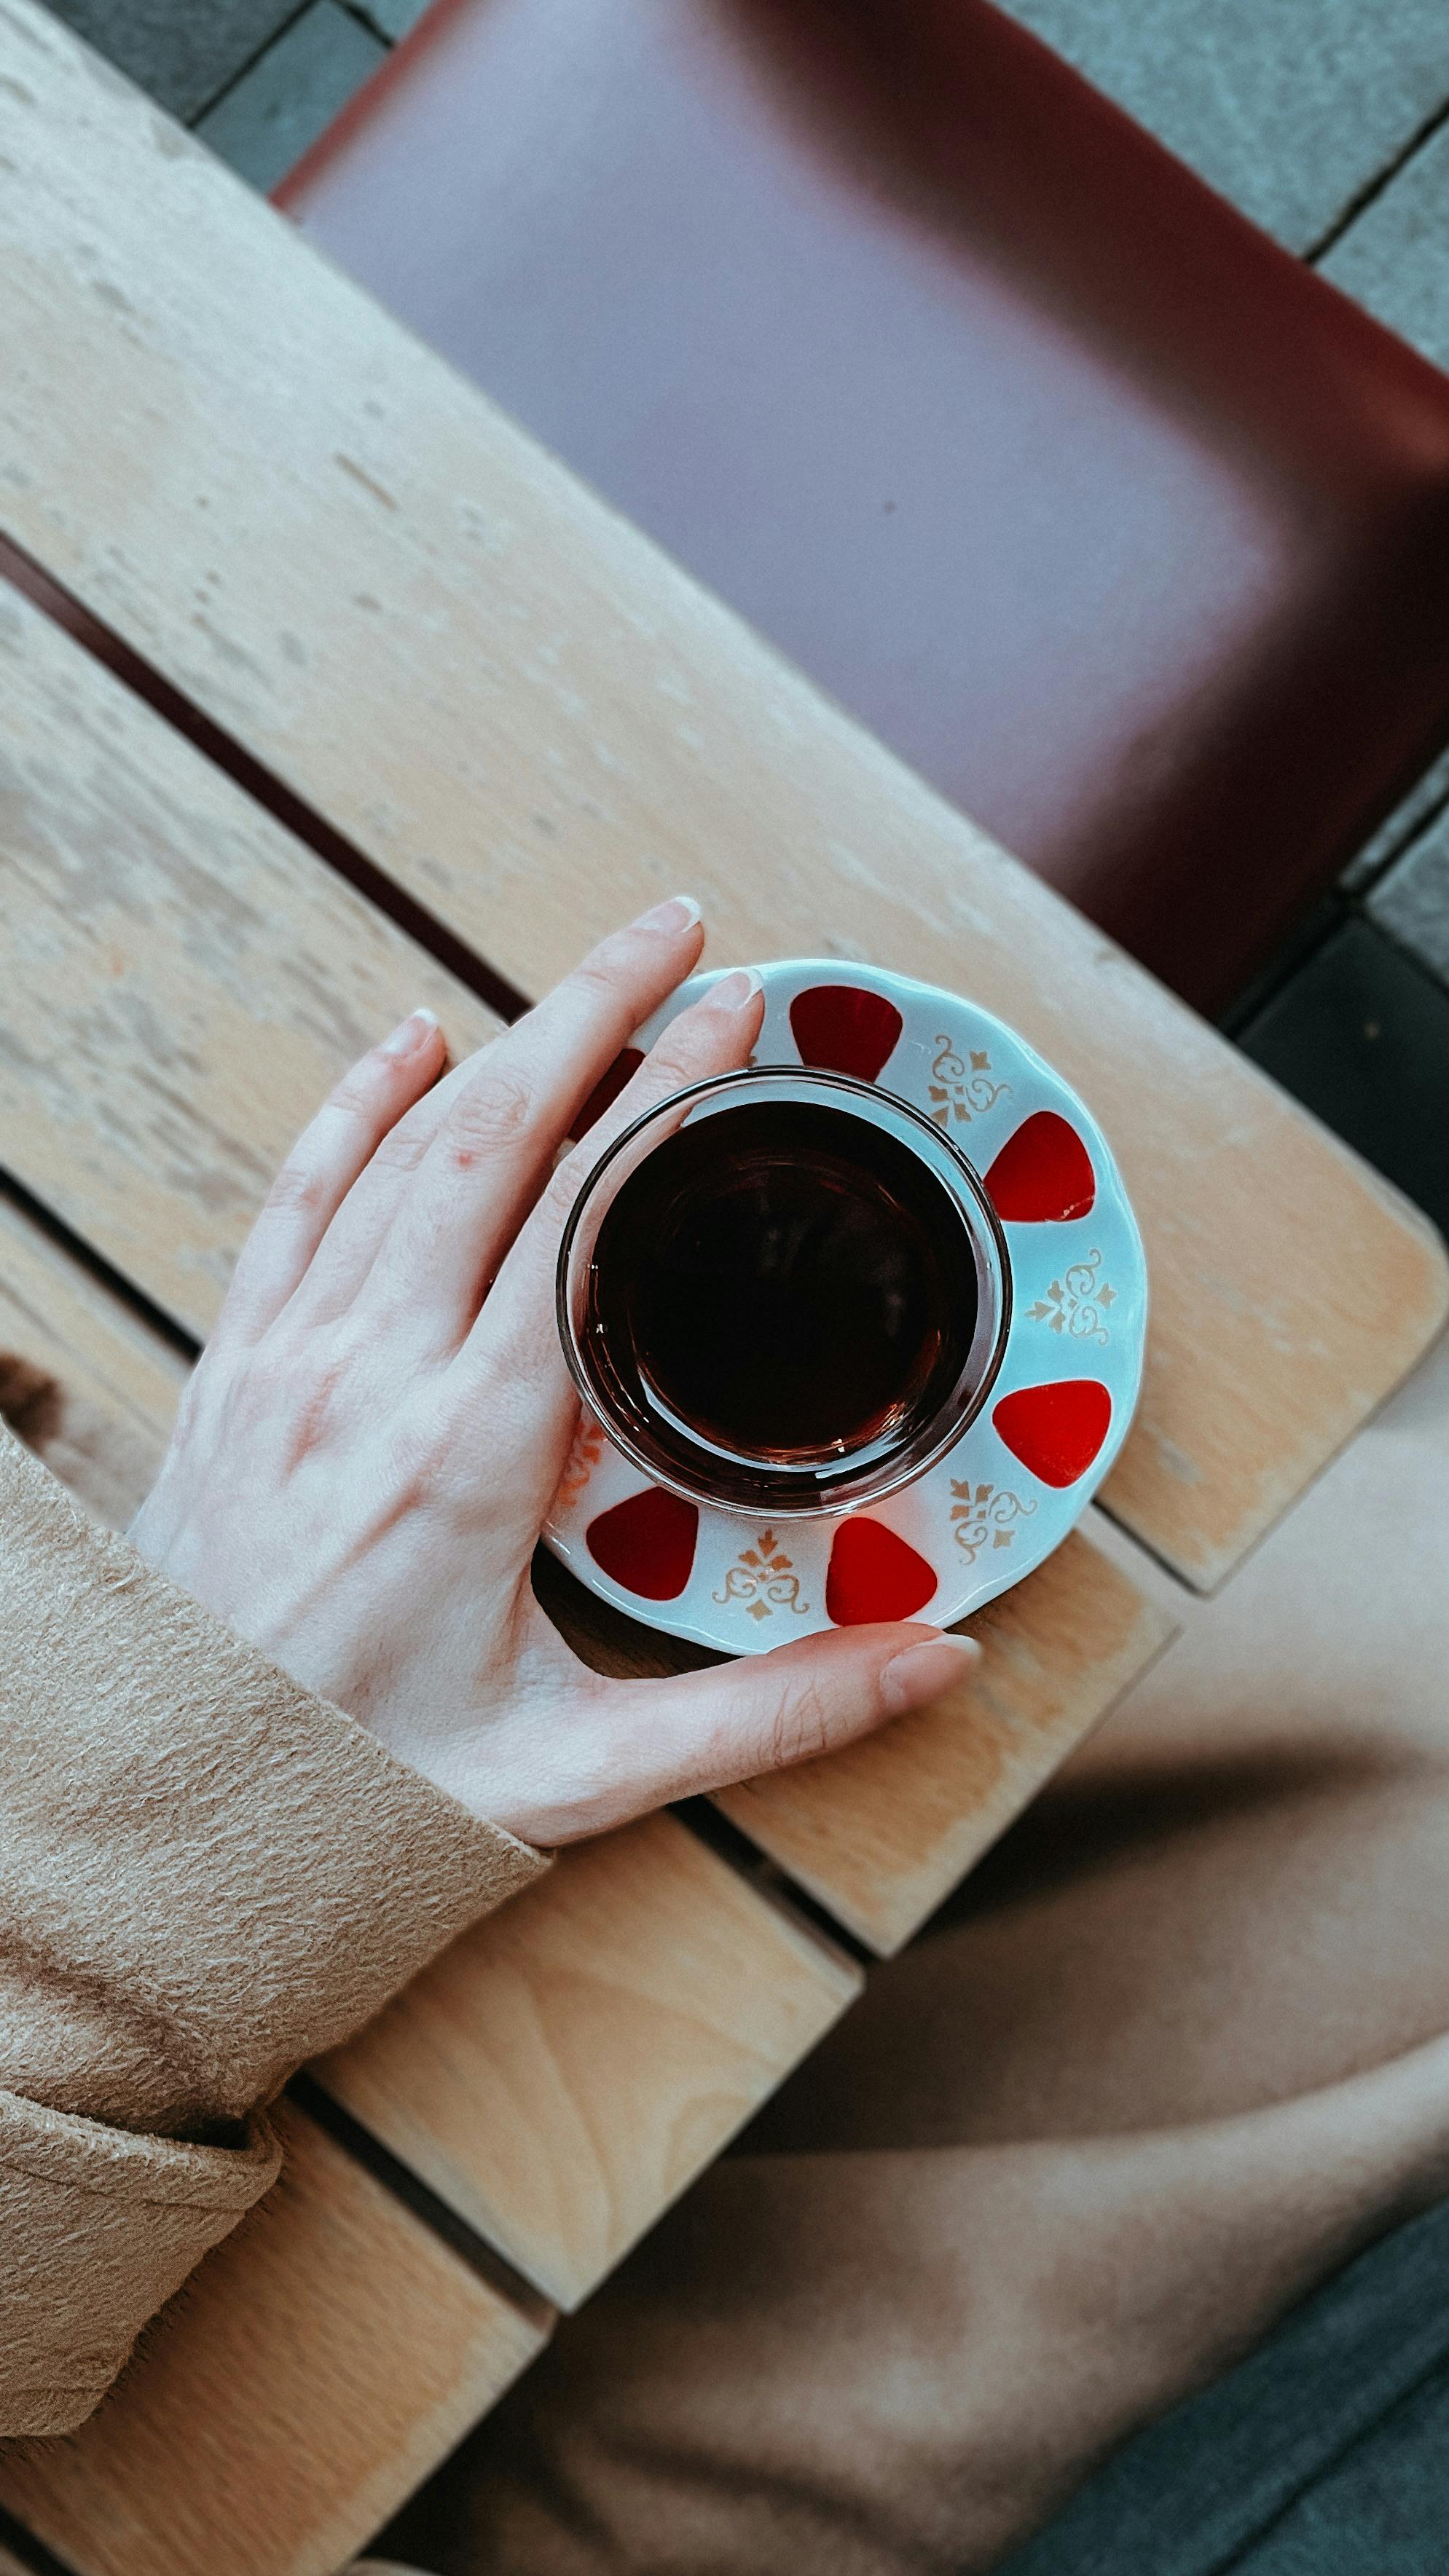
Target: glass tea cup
784	1293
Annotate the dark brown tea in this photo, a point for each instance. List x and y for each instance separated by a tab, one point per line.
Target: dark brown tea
784	1282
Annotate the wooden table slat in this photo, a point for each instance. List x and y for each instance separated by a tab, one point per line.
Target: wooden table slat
882	1832
87	1381
532	721
562	2072
312	2372
184	980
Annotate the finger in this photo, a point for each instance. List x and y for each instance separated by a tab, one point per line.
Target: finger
322	1167
347	1251
681	1738
514	1346
363	1222
494	1147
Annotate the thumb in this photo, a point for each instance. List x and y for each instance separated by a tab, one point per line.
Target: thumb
761	1712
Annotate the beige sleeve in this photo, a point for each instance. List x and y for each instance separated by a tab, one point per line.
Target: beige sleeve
206	1875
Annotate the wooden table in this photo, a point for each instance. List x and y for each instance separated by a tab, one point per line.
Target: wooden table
458	719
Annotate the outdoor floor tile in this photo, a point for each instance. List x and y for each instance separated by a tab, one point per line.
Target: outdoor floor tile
281	105
1289	107
182	53
394	18
1361	1036
1412	901
1395	833
1395	255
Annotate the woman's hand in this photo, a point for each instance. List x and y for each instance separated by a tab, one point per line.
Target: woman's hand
370	1443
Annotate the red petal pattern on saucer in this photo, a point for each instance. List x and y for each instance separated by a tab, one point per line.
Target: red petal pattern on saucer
1056	1430
874	1575
840	1028
1042	1174
647	1544
606	1090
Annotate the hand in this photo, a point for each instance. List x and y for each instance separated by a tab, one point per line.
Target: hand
371	1441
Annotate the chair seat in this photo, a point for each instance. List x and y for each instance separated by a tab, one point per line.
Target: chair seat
1125	529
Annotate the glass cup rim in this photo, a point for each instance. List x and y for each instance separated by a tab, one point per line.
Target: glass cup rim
888	1479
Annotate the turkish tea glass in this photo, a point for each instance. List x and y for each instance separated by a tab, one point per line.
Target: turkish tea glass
784	1293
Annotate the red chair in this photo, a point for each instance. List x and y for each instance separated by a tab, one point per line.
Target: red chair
1123	527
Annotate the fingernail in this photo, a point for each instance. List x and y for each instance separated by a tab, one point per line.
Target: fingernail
736	989
680	913
410	1033
928	1670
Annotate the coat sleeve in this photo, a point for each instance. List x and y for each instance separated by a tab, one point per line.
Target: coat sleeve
206	1876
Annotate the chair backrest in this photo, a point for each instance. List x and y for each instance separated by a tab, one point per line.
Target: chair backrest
1130	532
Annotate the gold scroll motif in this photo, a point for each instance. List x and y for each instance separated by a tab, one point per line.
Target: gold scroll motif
1077	1303
982	1516
962	1087
764	1579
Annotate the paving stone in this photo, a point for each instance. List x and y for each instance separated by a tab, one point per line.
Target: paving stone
281	105
393	18
182	52
1395	255
1394	259
1289	107
1412	901
1407	820
1361	1036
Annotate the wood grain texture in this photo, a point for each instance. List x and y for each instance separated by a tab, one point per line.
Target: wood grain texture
322	2360
531	719
564	2070
882	1832
85	1380
184	980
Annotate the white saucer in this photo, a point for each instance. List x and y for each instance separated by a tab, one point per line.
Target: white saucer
1021	1475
